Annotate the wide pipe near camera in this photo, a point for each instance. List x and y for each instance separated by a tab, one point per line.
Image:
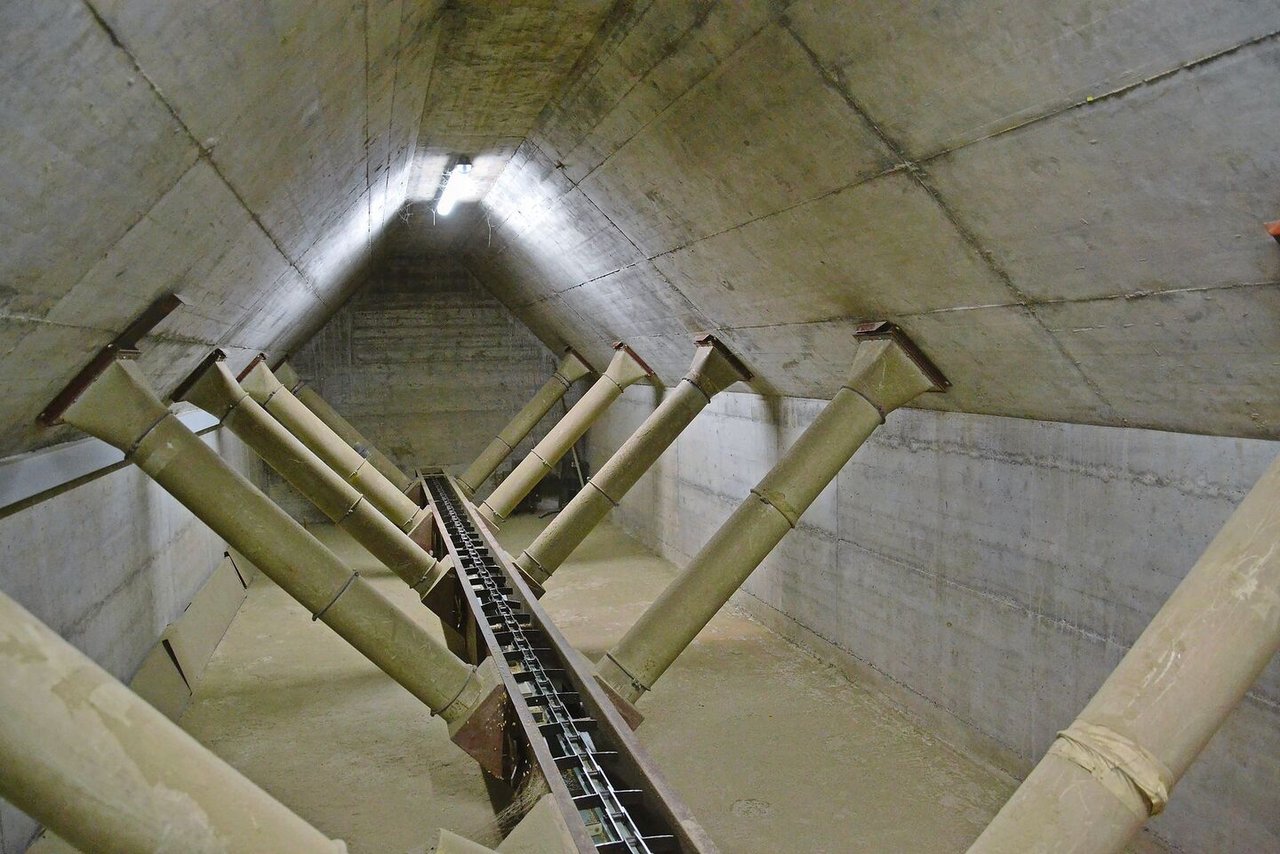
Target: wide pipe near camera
714	369
1114	767
887	372
90	760
625	368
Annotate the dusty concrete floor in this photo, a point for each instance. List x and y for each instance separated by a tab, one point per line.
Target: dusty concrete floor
773	750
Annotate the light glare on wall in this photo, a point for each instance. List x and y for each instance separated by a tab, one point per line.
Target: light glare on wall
458	183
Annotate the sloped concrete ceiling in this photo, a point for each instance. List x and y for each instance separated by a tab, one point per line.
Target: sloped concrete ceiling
244	153
1062	202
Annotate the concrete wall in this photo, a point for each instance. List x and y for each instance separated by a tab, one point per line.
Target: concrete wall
987	573
108	565
425	362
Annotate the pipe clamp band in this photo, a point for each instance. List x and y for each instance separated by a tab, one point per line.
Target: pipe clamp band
133	449
607	497
350	510
696	380
644	689
318	614
778	502
1126	769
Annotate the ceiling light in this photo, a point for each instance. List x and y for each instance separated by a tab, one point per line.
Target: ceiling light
458	182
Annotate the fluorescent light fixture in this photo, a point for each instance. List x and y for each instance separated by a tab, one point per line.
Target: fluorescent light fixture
458	183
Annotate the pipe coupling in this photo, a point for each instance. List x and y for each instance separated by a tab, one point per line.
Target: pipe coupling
1126	769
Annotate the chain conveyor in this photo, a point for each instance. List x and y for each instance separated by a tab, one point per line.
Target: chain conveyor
615	807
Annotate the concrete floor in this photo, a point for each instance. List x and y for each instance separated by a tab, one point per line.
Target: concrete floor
773	750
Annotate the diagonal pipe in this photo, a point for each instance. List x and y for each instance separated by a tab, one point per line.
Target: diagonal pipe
105	771
213	388
625	368
1114	767
714	369
572	368
271	395
118	408
887	372
333	419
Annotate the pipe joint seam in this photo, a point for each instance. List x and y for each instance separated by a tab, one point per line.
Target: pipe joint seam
1124	768
546	465
318	614
644	689
693	378
563	379
424	577
607	497
142	437
778	501
873	404
364	461
532	567
471	676
234	405
419	516
350	510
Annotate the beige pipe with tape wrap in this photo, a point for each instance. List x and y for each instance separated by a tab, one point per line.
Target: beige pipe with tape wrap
1112	769
714	369
572	368
625	368
332	418
272	396
118	408
887	372
90	760
214	389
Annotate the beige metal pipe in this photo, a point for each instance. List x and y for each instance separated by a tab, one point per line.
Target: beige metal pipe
119	409
625	369
215	390
332	418
272	396
87	758
1112	769
572	368
714	369
884	376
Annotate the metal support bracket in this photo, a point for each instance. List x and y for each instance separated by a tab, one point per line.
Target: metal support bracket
124	346
884	329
